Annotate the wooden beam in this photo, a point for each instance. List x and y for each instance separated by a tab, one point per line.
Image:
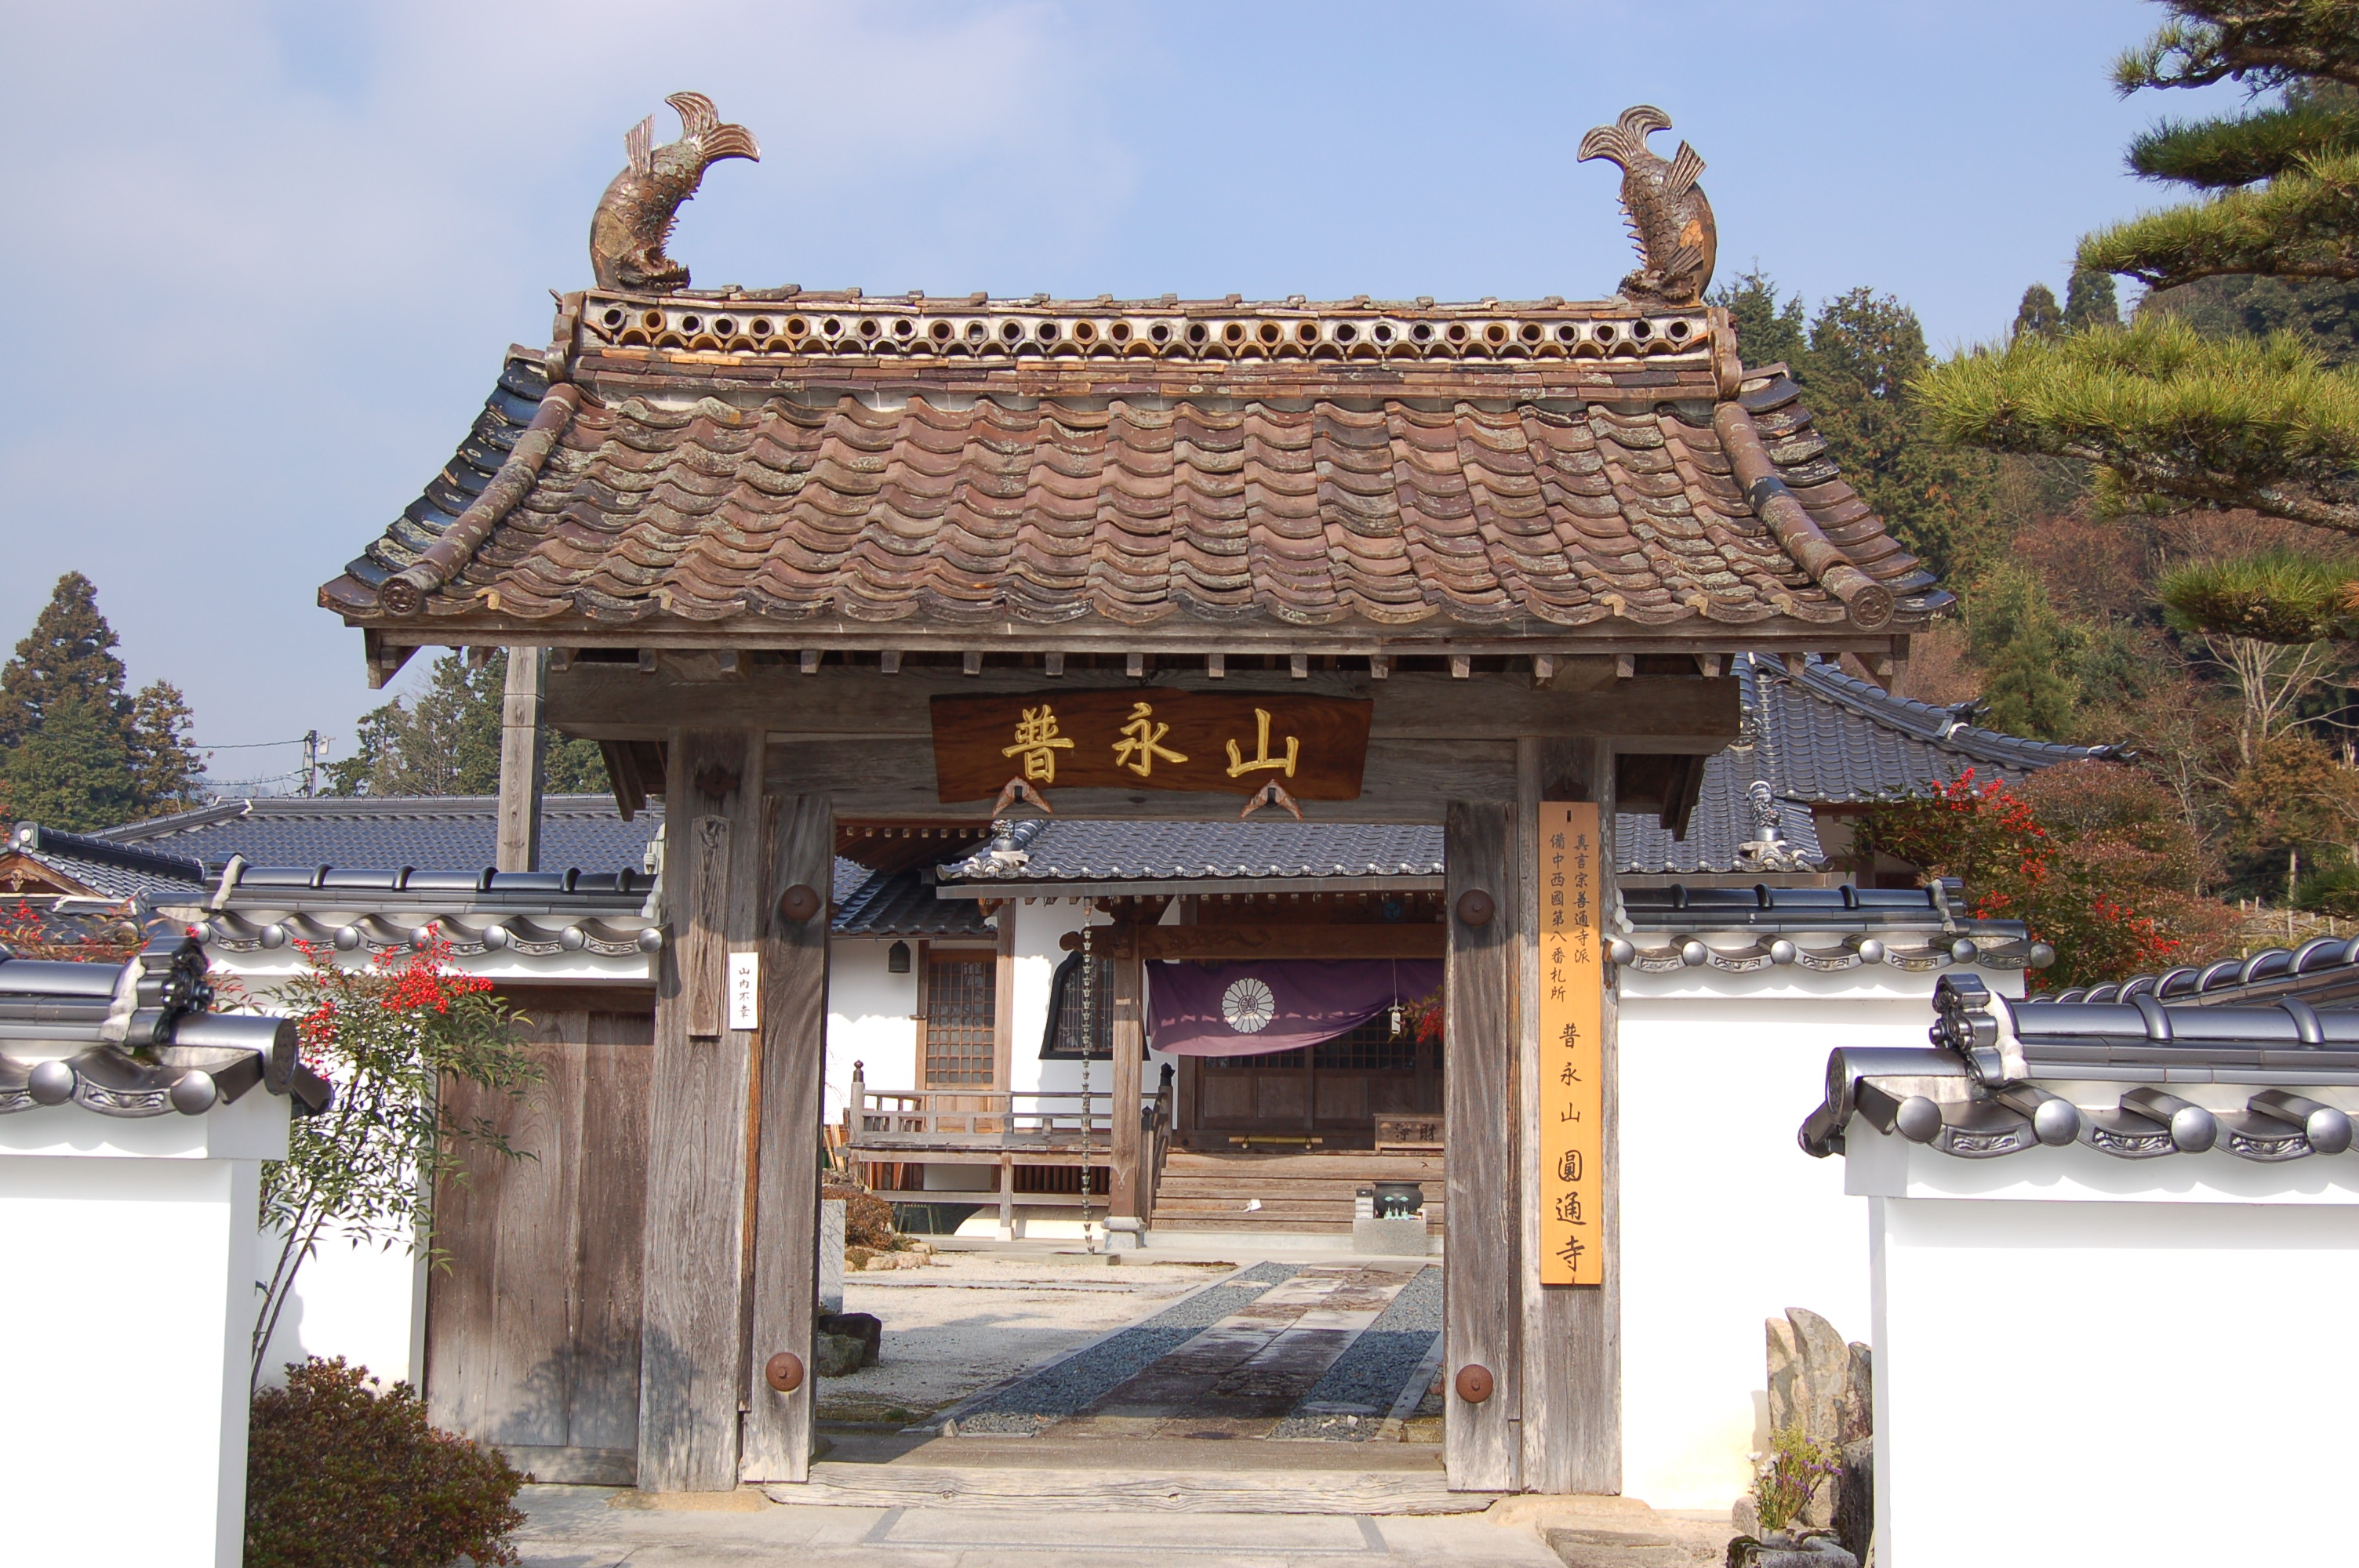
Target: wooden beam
1052	665
800	833
603	702
1222	943
1571	1373
1480	1322
1380	668
1133	666
1298	666
1216	667
1626	667
1543	669
524	747
1461	666
1404	781
807	661
971	662
889	661
1129	1036
691	1350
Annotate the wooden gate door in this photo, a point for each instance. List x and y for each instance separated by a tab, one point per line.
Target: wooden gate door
532	1329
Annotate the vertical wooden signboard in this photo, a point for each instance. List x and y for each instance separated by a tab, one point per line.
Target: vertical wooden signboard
1572	1023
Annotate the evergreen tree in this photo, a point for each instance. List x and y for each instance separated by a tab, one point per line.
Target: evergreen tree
1866	351
446	741
71	770
167	773
2089	301
76	751
2024	650
2172	418
1855	360
2038	316
1768	332
70	649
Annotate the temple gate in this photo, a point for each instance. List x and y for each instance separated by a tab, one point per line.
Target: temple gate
780	546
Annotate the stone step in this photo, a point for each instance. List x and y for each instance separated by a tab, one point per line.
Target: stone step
1035	1491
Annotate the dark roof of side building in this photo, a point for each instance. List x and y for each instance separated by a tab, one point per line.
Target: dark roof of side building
106	867
446	832
1825	736
899	904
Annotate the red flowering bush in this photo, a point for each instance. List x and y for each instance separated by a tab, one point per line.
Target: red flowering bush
28	934
340	1471
385	1035
2080	855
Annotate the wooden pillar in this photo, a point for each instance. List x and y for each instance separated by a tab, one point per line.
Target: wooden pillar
1007	1197
1483	1262
789	1076
1572	1372
524	746
691	1348
1128	1039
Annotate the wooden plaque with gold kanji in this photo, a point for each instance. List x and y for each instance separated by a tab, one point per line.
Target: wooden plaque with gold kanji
1315	748
1572	1023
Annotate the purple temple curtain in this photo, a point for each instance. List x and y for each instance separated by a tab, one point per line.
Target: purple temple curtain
1252	1008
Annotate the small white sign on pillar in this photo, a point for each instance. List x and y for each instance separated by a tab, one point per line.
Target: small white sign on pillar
745	990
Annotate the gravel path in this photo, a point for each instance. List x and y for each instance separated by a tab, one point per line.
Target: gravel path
968	1320
1350	1402
1081	1380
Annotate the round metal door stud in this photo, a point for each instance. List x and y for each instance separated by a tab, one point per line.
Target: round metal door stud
784	1372
1474	1384
799	902
1476	907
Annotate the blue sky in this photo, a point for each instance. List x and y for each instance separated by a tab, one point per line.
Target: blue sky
265	257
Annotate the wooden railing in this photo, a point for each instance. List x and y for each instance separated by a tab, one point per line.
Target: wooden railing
1158	1116
908	1118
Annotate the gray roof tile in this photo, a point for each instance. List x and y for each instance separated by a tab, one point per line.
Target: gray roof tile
438	833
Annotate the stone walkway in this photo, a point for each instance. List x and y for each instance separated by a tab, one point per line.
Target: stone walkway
1323	1352
573	1527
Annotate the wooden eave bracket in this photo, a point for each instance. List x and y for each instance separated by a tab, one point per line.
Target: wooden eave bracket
384	658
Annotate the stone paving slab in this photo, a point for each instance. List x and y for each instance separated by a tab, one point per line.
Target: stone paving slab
573	1527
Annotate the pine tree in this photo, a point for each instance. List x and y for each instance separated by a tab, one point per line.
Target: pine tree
2174	419
2038	316
446	741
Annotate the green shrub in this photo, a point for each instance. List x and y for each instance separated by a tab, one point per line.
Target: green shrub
2333	891
341	1475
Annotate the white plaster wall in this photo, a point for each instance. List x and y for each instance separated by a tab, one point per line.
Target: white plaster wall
359	1299
127	1311
2138	1375
871	1019
1726	1222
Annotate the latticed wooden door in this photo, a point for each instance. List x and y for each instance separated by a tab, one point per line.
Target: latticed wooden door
960	1020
